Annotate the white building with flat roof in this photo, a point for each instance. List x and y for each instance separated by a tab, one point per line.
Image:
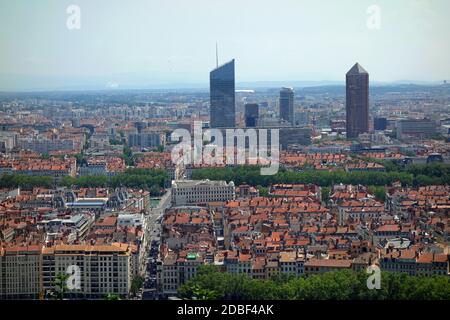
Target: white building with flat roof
201	191
130	220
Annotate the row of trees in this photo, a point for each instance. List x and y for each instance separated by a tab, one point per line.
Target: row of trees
148	179
27	181
252	175
436	169
424	174
211	284
417	175
154	179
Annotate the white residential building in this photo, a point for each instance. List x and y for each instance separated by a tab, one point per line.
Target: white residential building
186	192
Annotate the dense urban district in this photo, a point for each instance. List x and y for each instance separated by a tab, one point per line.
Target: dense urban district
92	206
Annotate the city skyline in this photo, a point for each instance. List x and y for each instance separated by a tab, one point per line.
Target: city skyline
136	47
226	150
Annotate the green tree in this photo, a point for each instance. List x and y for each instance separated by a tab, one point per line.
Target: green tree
115	142
326	192
128	156
379	192
60	286
263	191
112	296
136	285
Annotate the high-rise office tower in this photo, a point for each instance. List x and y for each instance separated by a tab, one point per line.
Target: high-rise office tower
357	101
379	124
287	105
251	114
222	99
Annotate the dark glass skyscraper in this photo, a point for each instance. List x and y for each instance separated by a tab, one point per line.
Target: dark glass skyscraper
222	100
357	101
251	114
379	124
287	105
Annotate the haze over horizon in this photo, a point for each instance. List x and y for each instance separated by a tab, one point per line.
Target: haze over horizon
160	43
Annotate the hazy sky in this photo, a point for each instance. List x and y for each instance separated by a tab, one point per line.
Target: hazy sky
145	43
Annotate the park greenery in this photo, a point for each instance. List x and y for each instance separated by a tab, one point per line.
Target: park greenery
148	179
8	180
155	179
411	175
212	284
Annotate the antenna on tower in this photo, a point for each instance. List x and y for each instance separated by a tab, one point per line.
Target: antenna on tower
217	56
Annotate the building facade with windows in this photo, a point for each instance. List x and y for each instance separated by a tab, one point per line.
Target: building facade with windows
222	96
357	101
201	191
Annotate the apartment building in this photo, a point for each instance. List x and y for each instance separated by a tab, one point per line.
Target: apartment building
419	128
291	263
30	272
8	141
107	166
318	266
414	262
103	268
20	272
53	167
359	210
364	167
77	224
146	139
186	192
168	277
43	145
